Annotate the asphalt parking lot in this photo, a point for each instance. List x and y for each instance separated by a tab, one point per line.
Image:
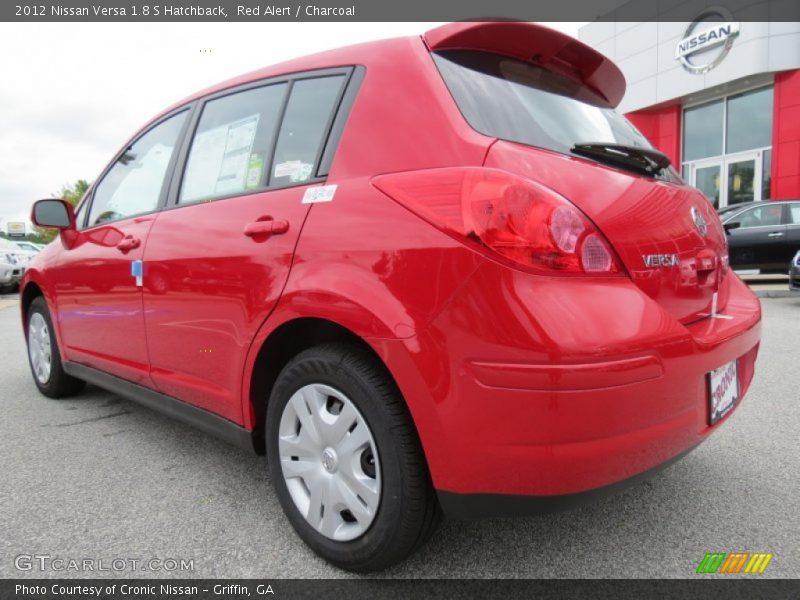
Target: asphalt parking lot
100	477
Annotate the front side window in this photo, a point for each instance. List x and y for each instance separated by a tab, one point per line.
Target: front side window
232	144
305	126
133	185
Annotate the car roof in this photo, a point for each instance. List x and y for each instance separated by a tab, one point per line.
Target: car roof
744	205
549	45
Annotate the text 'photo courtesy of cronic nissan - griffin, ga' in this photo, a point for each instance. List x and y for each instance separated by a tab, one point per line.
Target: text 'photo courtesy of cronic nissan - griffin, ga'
488	296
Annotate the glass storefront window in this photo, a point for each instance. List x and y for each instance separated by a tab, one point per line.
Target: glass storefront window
749	120
707	181
735	134
741	177
702	131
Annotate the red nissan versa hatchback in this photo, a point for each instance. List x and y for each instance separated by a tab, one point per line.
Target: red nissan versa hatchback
429	273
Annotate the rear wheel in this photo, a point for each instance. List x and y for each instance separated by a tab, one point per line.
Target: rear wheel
346	461
44	357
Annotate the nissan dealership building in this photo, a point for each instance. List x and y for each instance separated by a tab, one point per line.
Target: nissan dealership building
721	98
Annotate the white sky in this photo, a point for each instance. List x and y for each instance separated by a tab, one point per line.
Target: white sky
72	94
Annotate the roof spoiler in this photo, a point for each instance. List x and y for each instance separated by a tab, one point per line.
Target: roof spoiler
539	45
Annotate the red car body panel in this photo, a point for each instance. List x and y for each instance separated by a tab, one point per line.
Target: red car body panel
511	424
639	217
99	308
518	384
209	288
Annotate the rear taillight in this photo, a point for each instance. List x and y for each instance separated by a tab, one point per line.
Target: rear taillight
516	219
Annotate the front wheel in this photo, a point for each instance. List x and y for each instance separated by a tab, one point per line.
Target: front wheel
44	357
346	461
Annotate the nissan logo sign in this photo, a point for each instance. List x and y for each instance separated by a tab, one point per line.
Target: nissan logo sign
701	35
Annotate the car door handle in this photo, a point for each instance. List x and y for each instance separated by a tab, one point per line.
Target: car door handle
775	234
266	226
128	243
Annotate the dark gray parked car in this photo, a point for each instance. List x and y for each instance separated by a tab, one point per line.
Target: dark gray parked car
762	235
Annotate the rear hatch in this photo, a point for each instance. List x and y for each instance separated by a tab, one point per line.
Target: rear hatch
554	122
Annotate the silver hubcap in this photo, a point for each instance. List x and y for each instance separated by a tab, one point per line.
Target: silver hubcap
39	347
329	462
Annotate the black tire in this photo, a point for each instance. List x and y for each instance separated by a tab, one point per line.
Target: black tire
408	512
59	385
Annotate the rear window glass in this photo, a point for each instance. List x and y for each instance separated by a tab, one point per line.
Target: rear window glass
516	101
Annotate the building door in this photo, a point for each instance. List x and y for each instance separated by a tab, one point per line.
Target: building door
742	172
728	180
706	175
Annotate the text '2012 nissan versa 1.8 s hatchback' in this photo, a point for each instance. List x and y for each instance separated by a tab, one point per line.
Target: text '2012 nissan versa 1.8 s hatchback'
428	274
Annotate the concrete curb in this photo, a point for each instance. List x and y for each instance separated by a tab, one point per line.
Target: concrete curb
777	294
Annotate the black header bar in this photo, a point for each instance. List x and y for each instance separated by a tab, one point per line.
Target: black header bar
384	10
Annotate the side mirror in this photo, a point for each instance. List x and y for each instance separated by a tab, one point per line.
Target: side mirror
730	226
53	213
56	214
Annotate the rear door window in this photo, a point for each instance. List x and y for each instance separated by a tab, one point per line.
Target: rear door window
309	113
134	184
232	144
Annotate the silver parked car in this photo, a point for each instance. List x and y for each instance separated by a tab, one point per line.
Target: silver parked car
13	261
794	273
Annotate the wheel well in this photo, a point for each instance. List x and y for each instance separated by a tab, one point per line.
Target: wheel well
286	342
29	294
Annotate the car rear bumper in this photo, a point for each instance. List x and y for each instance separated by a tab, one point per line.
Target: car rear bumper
554	388
475	506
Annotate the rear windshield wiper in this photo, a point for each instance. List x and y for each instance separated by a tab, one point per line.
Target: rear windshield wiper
641	160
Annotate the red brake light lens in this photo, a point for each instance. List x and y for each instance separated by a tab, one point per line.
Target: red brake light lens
516	219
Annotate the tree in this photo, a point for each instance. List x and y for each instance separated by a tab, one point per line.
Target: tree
72	194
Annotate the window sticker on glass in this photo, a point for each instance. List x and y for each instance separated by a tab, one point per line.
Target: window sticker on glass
295	170
287	168
235	158
255	168
221	159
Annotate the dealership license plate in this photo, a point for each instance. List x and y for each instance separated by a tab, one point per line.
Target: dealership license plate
723	391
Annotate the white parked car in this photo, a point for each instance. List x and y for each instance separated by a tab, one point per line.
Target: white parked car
27	246
13	262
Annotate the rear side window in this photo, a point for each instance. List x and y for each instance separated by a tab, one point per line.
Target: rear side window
760	216
134	184
312	105
516	101
232	144
794	214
